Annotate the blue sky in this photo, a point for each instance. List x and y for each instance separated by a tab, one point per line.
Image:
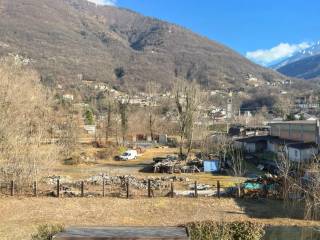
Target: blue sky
263	30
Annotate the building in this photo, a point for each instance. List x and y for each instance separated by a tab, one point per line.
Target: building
90	129
295	151
301	131
68	97
277	145
253	144
301	152
298	139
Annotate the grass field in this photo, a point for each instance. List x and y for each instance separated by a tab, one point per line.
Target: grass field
20	217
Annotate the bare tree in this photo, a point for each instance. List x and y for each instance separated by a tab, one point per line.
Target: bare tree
237	161
110	113
300	183
152	90
25	123
284	166
123	105
186	99
223	145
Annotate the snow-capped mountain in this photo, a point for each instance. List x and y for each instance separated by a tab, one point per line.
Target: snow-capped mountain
309	52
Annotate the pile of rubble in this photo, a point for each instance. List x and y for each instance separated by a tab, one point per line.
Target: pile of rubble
52	180
156	183
172	165
264	186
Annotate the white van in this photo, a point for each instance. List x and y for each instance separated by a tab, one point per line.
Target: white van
129	155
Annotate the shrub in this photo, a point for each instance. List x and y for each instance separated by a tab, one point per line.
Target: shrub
46	231
225	231
119	72
121	150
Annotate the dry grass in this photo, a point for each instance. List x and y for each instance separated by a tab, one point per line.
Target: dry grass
20	217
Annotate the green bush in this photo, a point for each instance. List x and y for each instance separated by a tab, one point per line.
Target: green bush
46	231
225	231
121	150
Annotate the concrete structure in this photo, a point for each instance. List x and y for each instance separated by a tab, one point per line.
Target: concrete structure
277	145
68	97
296	151
229	109
163	139
301	152
252	144
302	131
91	129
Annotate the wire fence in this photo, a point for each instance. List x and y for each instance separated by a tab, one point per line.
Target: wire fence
124	190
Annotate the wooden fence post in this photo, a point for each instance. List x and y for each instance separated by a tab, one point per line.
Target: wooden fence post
218	188
149	188
195	189
103	187
58	188
35	190
127	188
11	188
172	190
82	189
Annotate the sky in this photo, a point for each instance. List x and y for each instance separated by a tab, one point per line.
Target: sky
265	31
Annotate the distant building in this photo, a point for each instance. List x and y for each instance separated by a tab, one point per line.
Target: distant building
67	97
300	152
303	131
229	109
252	144
91	129
298	139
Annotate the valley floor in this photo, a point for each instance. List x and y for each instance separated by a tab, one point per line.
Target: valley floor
19	217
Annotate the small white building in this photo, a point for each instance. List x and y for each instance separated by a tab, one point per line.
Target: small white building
67	97
91	129
300	152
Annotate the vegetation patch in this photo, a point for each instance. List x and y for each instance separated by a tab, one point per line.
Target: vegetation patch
211	230
46	232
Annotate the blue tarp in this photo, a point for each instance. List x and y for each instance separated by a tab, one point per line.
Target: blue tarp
252	186
211	165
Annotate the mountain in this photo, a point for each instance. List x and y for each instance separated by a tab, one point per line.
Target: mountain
304	64
67	40
309	52
306	68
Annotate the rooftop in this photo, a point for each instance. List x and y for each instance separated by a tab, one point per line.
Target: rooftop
295	122
302	145
255	139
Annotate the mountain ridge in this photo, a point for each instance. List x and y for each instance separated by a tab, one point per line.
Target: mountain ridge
305	64
68	38
313	50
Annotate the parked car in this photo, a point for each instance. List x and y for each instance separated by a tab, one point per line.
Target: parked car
129	155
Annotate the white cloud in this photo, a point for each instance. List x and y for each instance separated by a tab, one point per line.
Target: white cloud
104	2
283	50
